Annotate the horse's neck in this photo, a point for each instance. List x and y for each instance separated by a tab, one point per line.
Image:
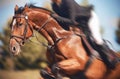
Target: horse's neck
51	31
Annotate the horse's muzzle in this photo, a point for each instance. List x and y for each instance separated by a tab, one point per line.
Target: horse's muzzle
14	47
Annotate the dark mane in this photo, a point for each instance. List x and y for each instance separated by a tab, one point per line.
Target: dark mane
21	9
33	6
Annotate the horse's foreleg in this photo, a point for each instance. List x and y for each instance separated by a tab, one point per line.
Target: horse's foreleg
70	66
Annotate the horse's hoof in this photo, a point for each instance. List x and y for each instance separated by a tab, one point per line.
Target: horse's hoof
46	75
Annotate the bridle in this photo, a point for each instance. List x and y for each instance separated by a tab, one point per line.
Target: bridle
23	37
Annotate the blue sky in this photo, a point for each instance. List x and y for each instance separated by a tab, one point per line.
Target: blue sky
108	12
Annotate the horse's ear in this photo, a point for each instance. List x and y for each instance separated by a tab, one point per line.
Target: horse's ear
26	5
16	8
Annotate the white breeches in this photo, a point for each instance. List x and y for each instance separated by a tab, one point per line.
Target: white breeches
94	26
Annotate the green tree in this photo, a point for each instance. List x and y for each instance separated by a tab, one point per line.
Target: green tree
5	60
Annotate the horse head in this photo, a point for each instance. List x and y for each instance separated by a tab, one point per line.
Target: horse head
21	30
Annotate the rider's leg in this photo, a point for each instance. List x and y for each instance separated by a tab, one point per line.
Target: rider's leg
108	55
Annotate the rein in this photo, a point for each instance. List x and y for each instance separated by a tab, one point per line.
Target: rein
41	43
44	24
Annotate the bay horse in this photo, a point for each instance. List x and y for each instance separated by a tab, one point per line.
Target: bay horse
66	53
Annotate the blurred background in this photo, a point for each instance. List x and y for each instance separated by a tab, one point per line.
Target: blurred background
32	58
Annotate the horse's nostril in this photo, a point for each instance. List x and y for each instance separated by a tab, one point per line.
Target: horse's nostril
14	49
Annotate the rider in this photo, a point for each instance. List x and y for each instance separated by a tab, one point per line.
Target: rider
70	13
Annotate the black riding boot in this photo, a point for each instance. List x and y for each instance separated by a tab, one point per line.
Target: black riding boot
108	55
